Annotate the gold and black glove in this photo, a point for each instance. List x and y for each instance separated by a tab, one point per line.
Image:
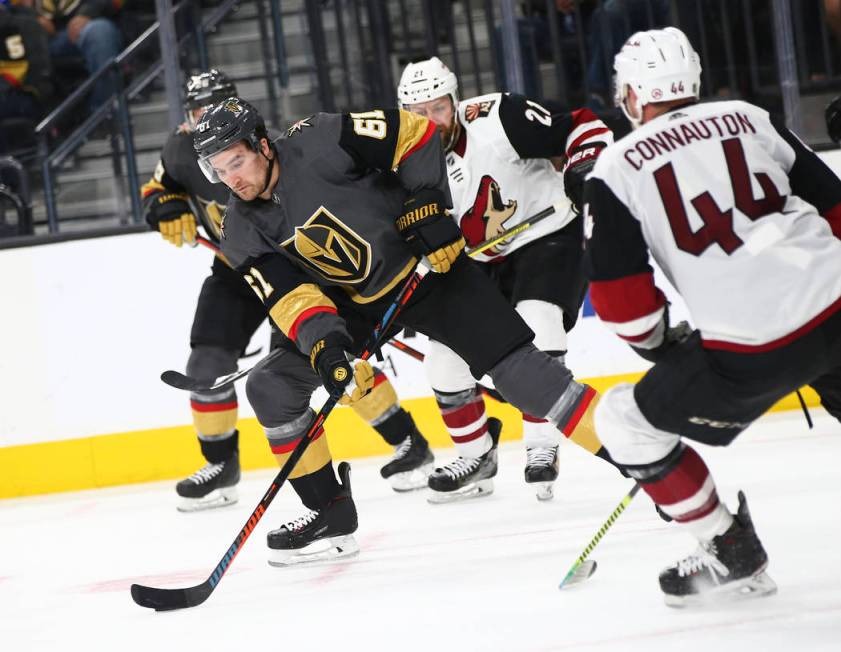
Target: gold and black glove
170	214
351	380
429	230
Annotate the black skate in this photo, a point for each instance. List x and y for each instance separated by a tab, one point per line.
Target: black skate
542	470
466	477
321	534
411	465
730	567
213	485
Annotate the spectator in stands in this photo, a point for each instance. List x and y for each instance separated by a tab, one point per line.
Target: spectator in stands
610	25
83	28
24	72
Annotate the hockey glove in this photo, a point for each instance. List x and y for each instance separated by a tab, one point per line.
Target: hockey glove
577	167
170	214
673	336
339	375
429	230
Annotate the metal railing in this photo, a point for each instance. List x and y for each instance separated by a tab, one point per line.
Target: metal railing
359	47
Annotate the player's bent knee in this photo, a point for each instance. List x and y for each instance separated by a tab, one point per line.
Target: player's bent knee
445	370
547	321
628	436
211	361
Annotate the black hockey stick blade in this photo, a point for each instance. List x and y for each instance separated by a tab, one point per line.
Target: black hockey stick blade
180	381
170	599
188	383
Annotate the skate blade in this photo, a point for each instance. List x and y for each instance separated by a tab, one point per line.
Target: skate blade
323	550
216	498
581	573
757	586
545	490
411	480
476	489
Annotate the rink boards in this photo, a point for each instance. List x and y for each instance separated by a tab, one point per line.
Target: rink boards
96	321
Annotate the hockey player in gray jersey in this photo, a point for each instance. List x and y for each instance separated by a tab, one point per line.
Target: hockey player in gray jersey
745	221
326	225
178	200
498	149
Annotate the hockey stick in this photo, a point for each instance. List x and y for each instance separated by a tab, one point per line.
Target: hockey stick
805	410
189	384
557	207
170	599
204	242
583	567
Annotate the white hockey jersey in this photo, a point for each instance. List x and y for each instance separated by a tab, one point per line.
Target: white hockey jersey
739	214
500	173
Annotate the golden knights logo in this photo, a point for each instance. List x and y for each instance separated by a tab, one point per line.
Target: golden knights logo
215	214
478	110
331	248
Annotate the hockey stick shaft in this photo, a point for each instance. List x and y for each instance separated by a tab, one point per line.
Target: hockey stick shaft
169	599
204	242
805	409
602	531
516	230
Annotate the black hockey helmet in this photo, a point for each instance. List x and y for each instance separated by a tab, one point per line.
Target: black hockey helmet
230	121
206	88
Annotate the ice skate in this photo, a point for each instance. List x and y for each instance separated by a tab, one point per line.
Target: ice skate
466	477
542	470
213	485
320	534
730	567
411	465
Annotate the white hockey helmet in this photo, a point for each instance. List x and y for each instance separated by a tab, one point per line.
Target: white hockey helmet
426	80
660	65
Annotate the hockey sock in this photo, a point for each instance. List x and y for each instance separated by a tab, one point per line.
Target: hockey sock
284	438
397	427
681	485
464	415
219	449
539	433
215	420
317	489
381	410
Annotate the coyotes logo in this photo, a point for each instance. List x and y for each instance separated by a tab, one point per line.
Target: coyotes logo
478	110
298	127
487	217
330	248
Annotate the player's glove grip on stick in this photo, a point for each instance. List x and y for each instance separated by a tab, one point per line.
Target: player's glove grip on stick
576	169
352	380
429	230
170	214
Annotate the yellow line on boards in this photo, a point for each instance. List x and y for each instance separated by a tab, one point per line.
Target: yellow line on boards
173	453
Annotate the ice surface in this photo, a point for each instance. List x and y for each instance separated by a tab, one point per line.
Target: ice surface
481	575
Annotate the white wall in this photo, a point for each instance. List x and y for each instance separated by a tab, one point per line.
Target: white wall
88	326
